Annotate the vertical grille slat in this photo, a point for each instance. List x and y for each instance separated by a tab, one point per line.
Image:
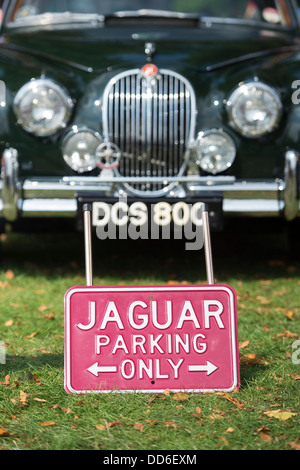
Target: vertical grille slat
152	120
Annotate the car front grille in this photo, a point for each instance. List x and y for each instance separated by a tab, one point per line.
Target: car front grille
151	120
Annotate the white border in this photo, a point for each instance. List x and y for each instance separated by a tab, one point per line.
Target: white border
74	290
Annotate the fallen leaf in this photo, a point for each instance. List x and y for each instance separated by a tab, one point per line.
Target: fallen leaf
30	336
156	398
294	445
230	398
6	381
218	414
224	440
49	316
4	285
101	427
151	422
42	308
180	396
229	430
19	305
40	400
287	334
171	423
139	427
279	414
67	410
9	274
264	429
198	413
44	351
290	315
294	376
244	344
263	300
4	432
252	359
9	323
47	423
23	398
265	437
117	422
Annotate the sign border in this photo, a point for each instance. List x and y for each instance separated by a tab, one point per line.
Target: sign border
234	339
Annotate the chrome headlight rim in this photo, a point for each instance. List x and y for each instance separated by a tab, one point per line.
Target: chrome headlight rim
57	88
75	131
239	92
202	135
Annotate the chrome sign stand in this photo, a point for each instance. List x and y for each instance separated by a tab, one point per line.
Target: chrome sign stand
88	245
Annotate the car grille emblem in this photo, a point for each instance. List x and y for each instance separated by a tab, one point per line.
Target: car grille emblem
108	155
149	70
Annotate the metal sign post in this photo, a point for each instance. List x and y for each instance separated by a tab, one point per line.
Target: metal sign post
150	338
88	245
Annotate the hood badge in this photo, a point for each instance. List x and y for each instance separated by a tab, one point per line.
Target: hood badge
150	50
149	70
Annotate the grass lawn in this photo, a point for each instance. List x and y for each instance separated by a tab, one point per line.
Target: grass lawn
37	414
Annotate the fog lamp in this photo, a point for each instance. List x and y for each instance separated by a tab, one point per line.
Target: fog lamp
79	149
215	151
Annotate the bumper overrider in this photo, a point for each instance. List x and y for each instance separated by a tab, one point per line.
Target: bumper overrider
59	197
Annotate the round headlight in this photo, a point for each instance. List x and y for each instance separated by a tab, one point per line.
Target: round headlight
79	149
254	109
42	107
215	151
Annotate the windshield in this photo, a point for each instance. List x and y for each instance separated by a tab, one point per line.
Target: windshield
269	11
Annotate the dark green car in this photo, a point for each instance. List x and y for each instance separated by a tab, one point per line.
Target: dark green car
147	109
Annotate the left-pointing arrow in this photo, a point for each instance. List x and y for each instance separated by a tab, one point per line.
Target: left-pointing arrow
95	369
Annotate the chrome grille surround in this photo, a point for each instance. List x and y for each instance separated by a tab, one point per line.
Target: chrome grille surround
152	121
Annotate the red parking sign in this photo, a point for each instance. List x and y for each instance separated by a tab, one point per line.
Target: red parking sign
150	339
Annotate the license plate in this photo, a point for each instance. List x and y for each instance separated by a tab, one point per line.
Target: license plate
139	213
152	213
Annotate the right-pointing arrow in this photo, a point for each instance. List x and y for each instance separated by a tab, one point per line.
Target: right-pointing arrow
209	368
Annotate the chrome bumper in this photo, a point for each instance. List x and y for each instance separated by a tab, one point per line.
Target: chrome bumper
57	197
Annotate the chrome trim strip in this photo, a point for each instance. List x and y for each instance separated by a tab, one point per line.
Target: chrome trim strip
149	179
290	192
49	208
252	207
10	187
58	197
